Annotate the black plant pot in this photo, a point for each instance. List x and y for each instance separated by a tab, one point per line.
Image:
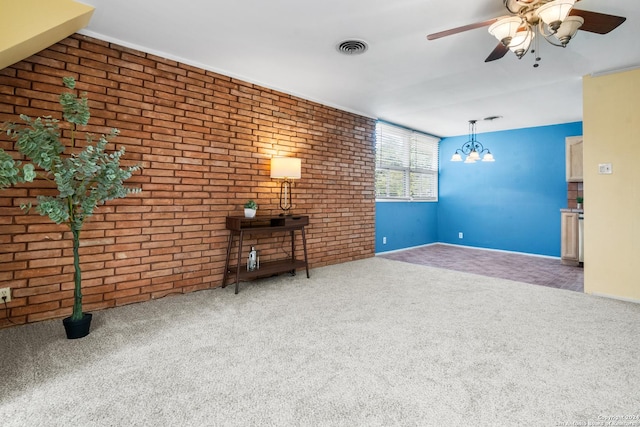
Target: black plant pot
77	328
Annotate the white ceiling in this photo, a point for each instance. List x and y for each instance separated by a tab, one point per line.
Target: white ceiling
433	86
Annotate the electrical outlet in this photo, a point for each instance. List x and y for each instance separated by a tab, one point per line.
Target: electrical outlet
460	235
5	292
384	240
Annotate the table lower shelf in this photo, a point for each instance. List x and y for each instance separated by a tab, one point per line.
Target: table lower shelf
267	269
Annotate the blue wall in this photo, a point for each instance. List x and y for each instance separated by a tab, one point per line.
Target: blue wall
405	224
512	204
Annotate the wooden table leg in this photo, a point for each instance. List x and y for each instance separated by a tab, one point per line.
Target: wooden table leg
226	263
304	248
293	250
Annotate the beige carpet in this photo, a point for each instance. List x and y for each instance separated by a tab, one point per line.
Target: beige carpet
368	343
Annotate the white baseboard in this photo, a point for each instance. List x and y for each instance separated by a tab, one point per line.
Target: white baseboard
406	249
616	297
469	247
501	250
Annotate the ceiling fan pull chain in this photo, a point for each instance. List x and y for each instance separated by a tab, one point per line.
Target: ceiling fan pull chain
536	51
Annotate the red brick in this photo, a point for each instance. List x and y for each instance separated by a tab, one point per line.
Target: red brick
205	141
35	308
50	297
133	299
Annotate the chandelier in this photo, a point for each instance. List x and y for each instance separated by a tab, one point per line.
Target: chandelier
473	149
547	19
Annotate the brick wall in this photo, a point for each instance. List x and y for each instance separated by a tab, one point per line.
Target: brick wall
574	190
205	141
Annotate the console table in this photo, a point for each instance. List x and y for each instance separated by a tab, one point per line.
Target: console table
240	226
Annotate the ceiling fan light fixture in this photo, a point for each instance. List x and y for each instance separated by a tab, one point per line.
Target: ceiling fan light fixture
505	29
554	12
568	29
555	21
521	42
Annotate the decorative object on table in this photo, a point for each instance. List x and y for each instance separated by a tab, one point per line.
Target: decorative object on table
286	169
85	178
473	149
253	263
250	209
579	201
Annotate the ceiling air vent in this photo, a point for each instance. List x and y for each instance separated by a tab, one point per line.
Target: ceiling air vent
352	47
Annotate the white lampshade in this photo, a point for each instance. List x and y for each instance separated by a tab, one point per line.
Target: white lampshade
474	155
456	157
488	157
555	11
521	40
469	159
285	167
504	29
569	28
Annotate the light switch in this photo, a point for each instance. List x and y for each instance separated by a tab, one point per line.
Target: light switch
605	169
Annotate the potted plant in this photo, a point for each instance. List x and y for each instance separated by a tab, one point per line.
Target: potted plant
250	209
579	202
86	176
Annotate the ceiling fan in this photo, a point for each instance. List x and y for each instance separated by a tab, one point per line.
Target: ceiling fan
554	20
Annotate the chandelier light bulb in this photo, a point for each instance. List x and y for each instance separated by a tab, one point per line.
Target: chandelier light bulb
488	157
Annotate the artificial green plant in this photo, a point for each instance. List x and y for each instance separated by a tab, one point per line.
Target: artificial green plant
85	177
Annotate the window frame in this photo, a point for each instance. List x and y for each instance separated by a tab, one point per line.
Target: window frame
412	153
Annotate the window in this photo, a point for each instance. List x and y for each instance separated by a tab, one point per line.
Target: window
406	164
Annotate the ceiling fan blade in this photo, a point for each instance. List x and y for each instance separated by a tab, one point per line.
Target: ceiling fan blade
598	23
500	51
462	29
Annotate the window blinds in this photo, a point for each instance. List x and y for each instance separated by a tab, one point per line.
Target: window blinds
406	164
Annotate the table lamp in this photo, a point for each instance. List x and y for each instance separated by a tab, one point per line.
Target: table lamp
286	169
